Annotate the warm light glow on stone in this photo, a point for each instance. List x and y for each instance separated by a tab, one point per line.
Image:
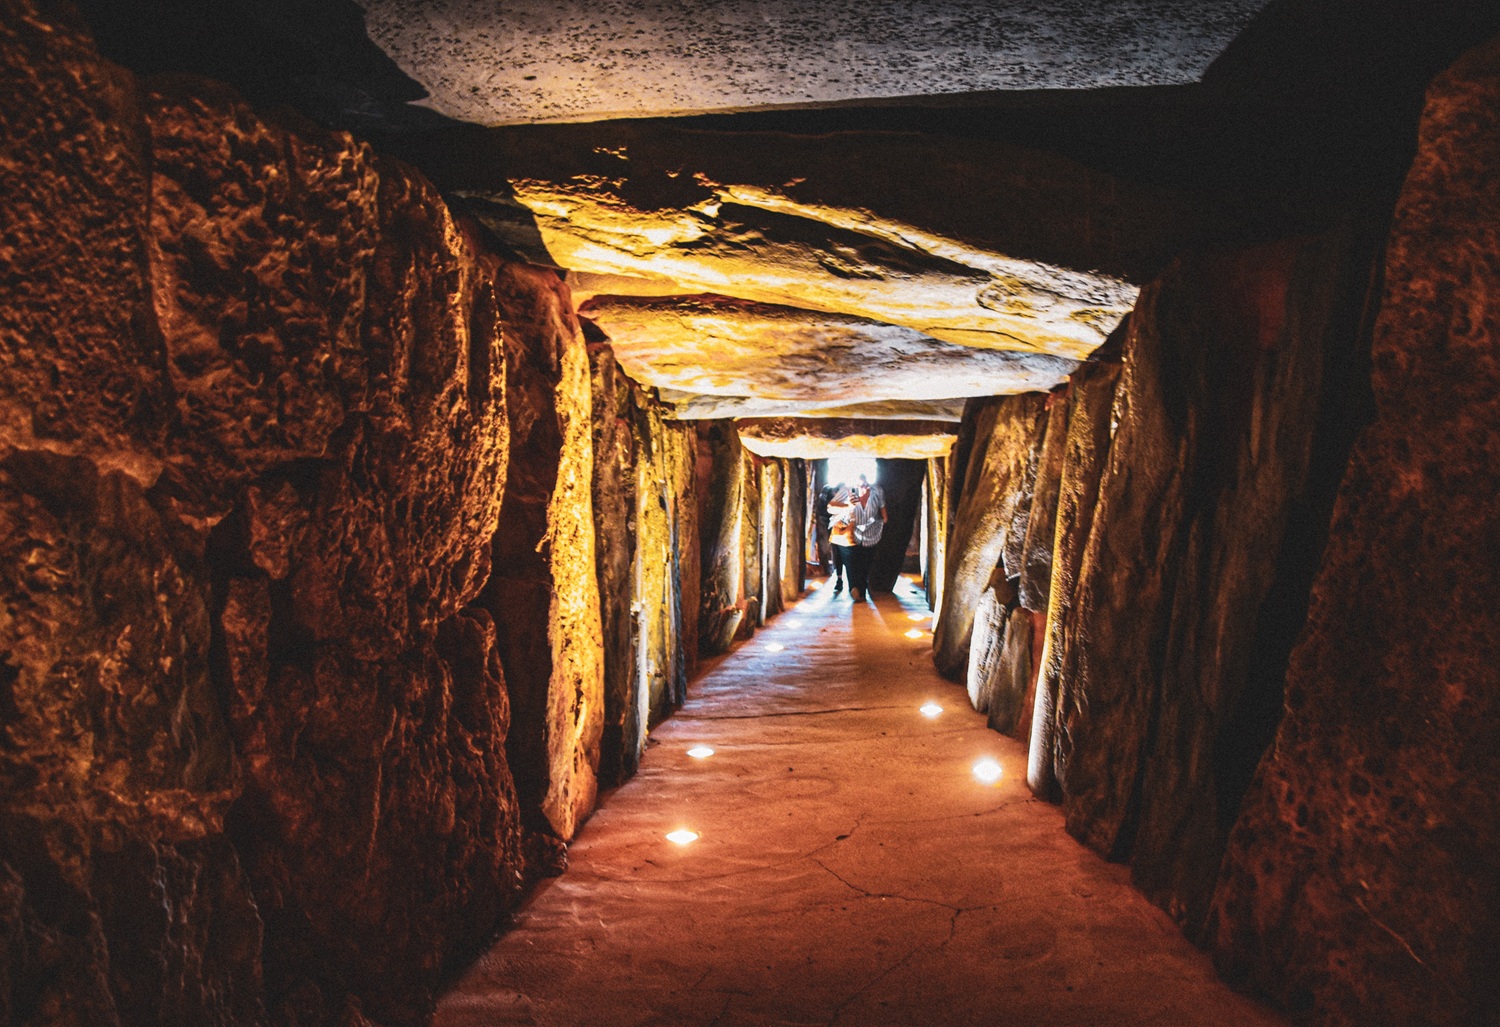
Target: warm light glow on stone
930	710
682	836
699	752
987	770
775	647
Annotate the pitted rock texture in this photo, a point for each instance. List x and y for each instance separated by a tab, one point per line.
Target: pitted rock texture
817	438
688	406
988	479
1229	423
717	347
1360	883
252	450
588	61
544	593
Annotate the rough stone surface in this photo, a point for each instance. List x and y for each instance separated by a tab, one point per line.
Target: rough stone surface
1361	879
721	462
584	62
544	593
711	346
817	438
934	528
1041	516
1012	685
615	402
252	446
1237	370
690	406
1091	401
1006	431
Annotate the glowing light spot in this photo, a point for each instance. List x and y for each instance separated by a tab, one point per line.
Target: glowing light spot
916	616
775	647
700	752
916	633
930	710
682	836
987	770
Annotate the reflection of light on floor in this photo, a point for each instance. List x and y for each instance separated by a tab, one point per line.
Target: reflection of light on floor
775	647
682	836
700	752
916	633
930	710
987	770
917	616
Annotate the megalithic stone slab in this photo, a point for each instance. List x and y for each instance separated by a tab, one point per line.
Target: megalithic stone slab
1360	881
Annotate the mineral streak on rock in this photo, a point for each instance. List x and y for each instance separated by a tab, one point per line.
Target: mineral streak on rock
756	243
1362	875
716	346
818	438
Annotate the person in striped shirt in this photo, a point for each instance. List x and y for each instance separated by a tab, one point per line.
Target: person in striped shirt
857	519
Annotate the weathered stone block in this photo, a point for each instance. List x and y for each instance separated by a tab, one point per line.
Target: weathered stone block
1006	431
1360	884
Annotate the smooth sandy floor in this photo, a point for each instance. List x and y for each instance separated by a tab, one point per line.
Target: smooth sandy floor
851	869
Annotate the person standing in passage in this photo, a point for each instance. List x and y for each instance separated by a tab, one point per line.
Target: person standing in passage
841	535
864	506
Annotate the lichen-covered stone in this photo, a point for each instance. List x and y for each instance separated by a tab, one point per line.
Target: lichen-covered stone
1360	884
1006	432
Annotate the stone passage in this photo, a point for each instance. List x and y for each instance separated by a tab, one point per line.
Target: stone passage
850	867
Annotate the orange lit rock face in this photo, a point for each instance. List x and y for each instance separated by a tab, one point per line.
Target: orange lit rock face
819	438
764	244
544	592
717	348
252	452
1360	880
988	475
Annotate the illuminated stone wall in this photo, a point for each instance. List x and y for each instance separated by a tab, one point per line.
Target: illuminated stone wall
258	394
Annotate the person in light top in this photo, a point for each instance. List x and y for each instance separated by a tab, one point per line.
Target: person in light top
856	520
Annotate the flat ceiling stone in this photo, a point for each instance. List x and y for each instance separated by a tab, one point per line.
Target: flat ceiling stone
765	244
687	406
712	346
578	60
817	439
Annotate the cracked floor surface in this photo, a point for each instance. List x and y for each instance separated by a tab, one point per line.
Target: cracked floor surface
850	869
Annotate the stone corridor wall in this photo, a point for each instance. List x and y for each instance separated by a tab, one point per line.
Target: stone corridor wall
297	513
1362	882
1130	575
752	522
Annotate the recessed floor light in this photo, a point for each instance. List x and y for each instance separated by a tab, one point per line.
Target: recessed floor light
917	616
700	752
930	710
916	633
775	647
987	770
682	836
